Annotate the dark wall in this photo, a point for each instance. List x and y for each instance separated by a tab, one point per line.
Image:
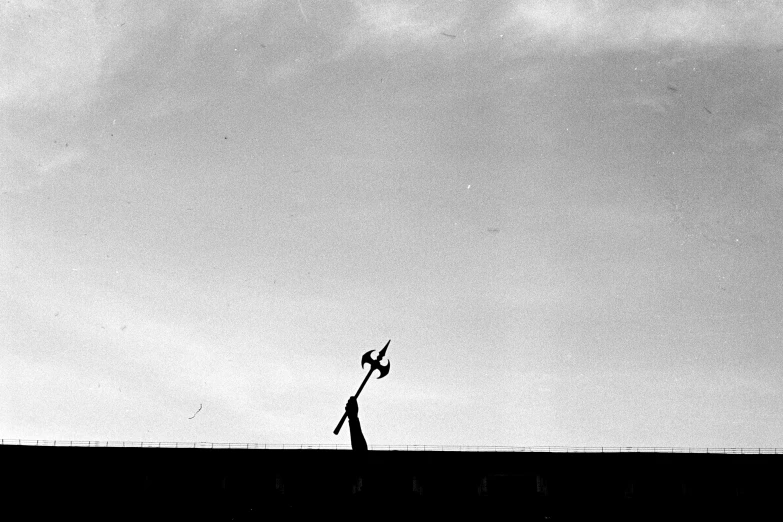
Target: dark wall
226	484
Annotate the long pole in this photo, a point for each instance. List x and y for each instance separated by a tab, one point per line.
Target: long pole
345	415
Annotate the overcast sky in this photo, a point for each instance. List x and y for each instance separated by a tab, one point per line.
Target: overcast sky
566	215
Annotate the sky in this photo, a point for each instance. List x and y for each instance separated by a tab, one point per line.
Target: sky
566	215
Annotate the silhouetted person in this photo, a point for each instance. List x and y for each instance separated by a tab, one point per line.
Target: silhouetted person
357	437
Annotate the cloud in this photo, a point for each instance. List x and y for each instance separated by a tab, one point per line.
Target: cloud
59	59
654	102
25	161
397	21
56	54
757	136
215	14
401	25
61	160
52	52
619	24
567	25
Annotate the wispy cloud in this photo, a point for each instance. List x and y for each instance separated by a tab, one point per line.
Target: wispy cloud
24	163
57	54
58	59
399	26
52	53
659	103
61	160
398	21
619	24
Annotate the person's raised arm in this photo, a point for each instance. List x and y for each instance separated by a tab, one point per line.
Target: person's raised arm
357	437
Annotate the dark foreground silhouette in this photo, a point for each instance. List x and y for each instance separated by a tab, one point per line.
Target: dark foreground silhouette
57	483
357	437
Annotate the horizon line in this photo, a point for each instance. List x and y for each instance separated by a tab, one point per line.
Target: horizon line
394	447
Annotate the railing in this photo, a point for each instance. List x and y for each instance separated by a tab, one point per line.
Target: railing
399	447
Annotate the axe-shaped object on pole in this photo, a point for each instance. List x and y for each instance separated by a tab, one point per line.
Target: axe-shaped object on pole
375	364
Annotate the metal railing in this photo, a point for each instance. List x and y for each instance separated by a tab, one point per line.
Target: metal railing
398	447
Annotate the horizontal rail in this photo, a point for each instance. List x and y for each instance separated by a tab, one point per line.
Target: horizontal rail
398	447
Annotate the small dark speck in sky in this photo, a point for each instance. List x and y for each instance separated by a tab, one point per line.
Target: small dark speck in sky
708	111
671	88
449	35
493	230
124	327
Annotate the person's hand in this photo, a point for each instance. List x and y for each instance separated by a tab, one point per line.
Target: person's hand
352	408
